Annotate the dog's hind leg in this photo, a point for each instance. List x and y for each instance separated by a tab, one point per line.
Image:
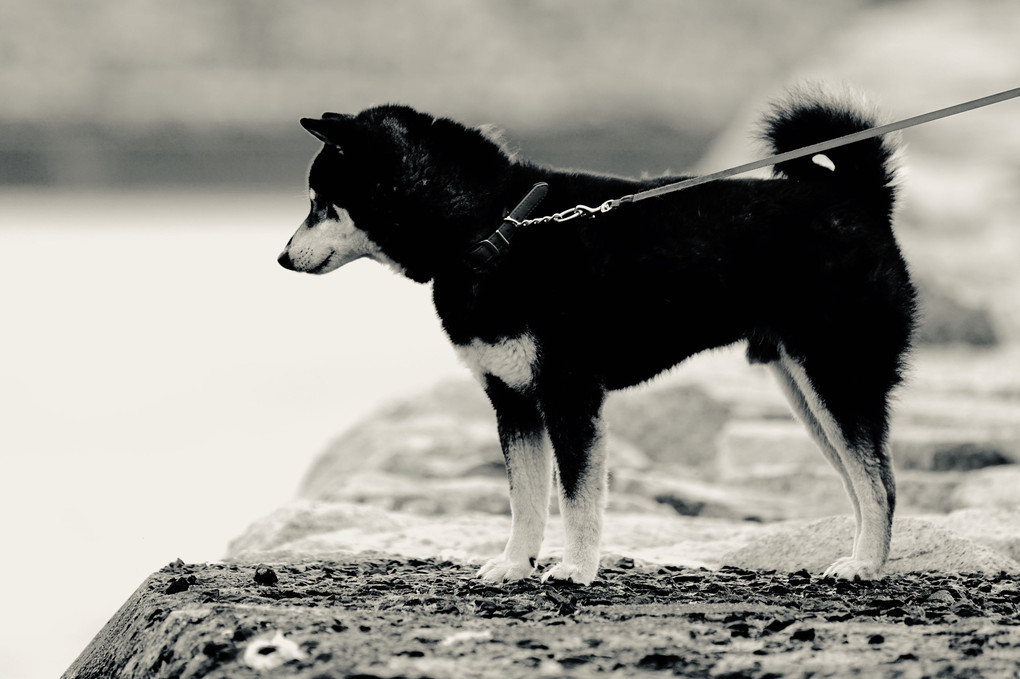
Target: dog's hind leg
573	415
799	403
529	470
852	415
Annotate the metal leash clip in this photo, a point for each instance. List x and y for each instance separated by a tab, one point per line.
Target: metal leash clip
582	210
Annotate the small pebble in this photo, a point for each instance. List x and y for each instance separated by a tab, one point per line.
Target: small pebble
264	575
804	634
178	585
941	597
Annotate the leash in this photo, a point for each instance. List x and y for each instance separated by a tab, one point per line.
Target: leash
483	253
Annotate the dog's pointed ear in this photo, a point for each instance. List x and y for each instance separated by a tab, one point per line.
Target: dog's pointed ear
333	128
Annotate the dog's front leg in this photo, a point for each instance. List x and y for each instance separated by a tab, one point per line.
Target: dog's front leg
529	471
573	415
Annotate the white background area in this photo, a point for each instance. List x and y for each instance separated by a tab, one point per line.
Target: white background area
163	383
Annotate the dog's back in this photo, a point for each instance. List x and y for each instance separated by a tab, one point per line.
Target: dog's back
807	258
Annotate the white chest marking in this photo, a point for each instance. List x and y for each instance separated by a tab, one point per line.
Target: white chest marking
512	360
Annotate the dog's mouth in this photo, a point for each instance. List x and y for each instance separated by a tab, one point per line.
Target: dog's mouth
324	266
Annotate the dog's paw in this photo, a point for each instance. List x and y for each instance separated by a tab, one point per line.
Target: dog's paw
849	568
502	569
564	572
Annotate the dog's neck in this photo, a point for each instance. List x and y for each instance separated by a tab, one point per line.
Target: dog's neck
458	230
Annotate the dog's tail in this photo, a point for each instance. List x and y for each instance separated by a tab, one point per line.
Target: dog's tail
811	115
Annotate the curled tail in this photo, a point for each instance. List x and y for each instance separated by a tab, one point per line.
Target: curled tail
809	116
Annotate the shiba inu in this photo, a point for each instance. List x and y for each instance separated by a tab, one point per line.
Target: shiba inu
802	267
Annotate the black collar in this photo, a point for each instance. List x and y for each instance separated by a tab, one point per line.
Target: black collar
485	253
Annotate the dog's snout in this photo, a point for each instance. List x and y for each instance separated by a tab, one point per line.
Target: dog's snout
285	261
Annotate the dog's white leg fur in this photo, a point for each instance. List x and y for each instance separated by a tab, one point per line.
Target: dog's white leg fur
801	409
529	465
528	457
582	518
871	544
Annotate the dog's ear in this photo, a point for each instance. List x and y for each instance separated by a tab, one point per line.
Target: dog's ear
333	128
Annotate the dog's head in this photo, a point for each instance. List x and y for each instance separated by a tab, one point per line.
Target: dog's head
397	186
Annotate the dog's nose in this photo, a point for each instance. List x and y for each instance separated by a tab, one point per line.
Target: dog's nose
285	261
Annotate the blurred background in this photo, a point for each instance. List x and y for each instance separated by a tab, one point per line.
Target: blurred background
163	382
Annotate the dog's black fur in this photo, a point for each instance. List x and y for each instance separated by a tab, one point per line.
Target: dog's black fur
803	267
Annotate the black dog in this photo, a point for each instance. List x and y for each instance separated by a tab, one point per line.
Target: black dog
803	267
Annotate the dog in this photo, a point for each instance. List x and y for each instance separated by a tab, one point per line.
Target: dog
803	267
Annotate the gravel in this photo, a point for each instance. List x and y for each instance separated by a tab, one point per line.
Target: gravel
387	617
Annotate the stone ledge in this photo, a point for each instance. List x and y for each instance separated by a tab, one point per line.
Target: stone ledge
385	616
